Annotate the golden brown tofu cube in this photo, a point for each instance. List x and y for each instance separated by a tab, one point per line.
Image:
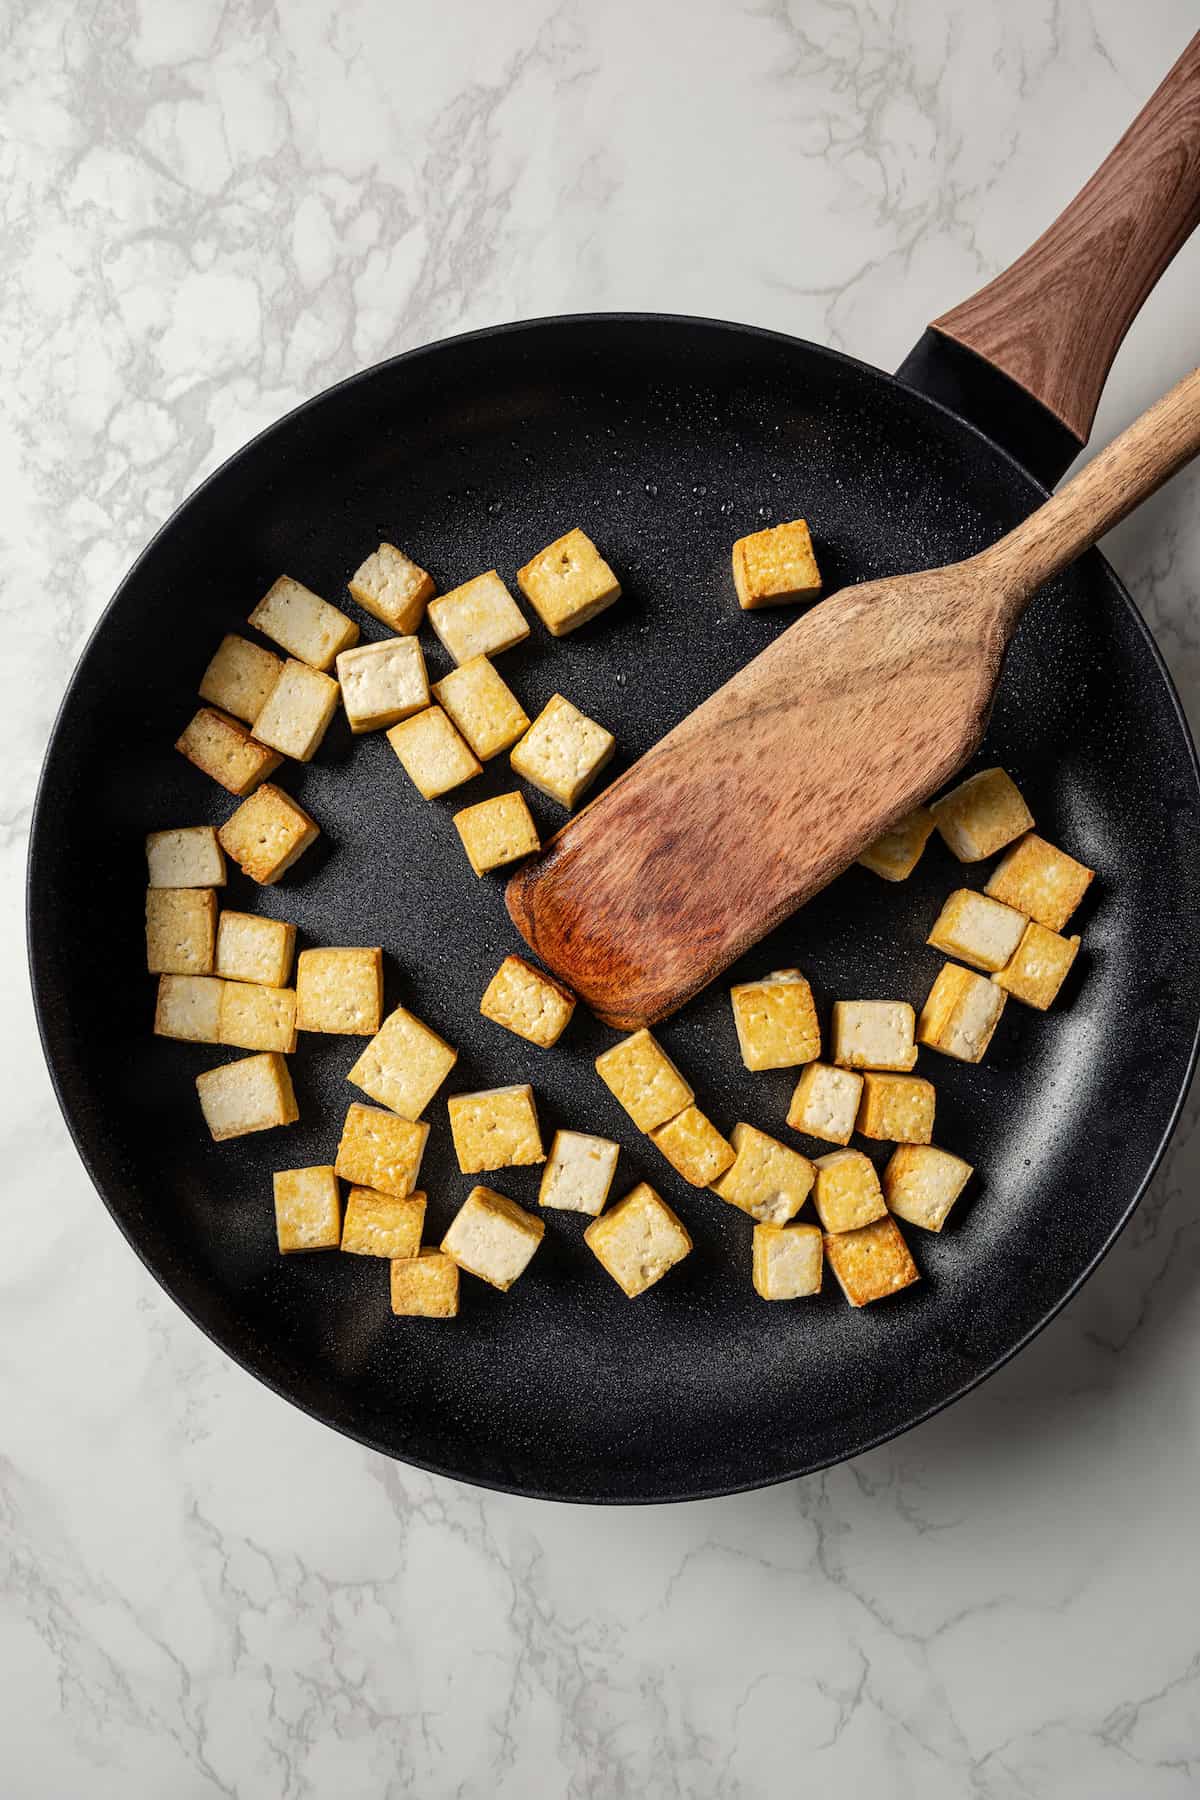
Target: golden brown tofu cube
493	1238
267	833
921	1184
977	930
847	1192
578	1173
382	1225
188	1007
640	1074
528	1002
898	1108
767	1180
392	588
298	711
189	858
1039	880
568	583
873	1034
239	678
638	1240
776	566
776	1021
253	948
380	1150
896	854
253	1094
258	1018
482	706
383	683
563	752
1040	964
497	832
432	754
308	1209
303	624
340	991
425	1286
786	1263
181	930
496	1128
404	1065
480	618
961	1013
224	749
825	1103
872	1262
981	815
694	1147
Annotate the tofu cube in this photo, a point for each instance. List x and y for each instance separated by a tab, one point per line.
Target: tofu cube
252	1094
776	1021
380	1151
921	1184
496	1128
1040	964
404	1064
432	754
961	1013
825	1103
873	1034
267	833
528	1002
303	624
181	930
392	588
492	1237
694	1147
482	706
977	930
480	618
898	1108
786	1263
190	858
497	832
640	1074
776	566
847	1192
896	854
425	1286
638	1240
981	815
381	1225
258	1018
340	991
298	710
308	1209
579	1173
189	1007
252	948
563	752
239	678
1039	880
767	1180
872	1262
568	583
383	683
219	746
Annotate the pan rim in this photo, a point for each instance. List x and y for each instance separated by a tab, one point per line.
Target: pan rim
39	977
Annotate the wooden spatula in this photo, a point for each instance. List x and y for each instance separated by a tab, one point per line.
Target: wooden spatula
853	716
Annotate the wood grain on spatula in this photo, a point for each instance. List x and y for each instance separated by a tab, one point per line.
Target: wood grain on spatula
858	712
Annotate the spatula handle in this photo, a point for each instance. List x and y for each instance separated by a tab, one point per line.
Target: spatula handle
1116	480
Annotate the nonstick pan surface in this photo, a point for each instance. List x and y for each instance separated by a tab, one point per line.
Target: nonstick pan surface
665	439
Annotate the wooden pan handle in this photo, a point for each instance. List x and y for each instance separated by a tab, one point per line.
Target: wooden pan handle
1054	320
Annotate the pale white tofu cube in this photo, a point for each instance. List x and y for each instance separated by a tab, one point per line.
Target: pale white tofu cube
579	1172
393	588
825	1103
874	1034
961	1013
189	1007
492	1237
253	1094
188	858
383	683
787	1261
306	626
977	930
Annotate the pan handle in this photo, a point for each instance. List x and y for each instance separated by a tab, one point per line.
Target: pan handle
1054	320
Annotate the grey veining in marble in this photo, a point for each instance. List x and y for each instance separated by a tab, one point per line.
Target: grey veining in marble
212	210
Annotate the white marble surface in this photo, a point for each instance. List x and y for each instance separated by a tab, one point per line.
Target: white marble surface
213	210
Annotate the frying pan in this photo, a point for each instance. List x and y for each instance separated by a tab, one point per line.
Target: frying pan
665	438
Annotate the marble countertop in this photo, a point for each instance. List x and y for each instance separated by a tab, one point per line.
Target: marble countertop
213	211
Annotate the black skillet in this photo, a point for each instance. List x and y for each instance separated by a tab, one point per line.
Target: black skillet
665	438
